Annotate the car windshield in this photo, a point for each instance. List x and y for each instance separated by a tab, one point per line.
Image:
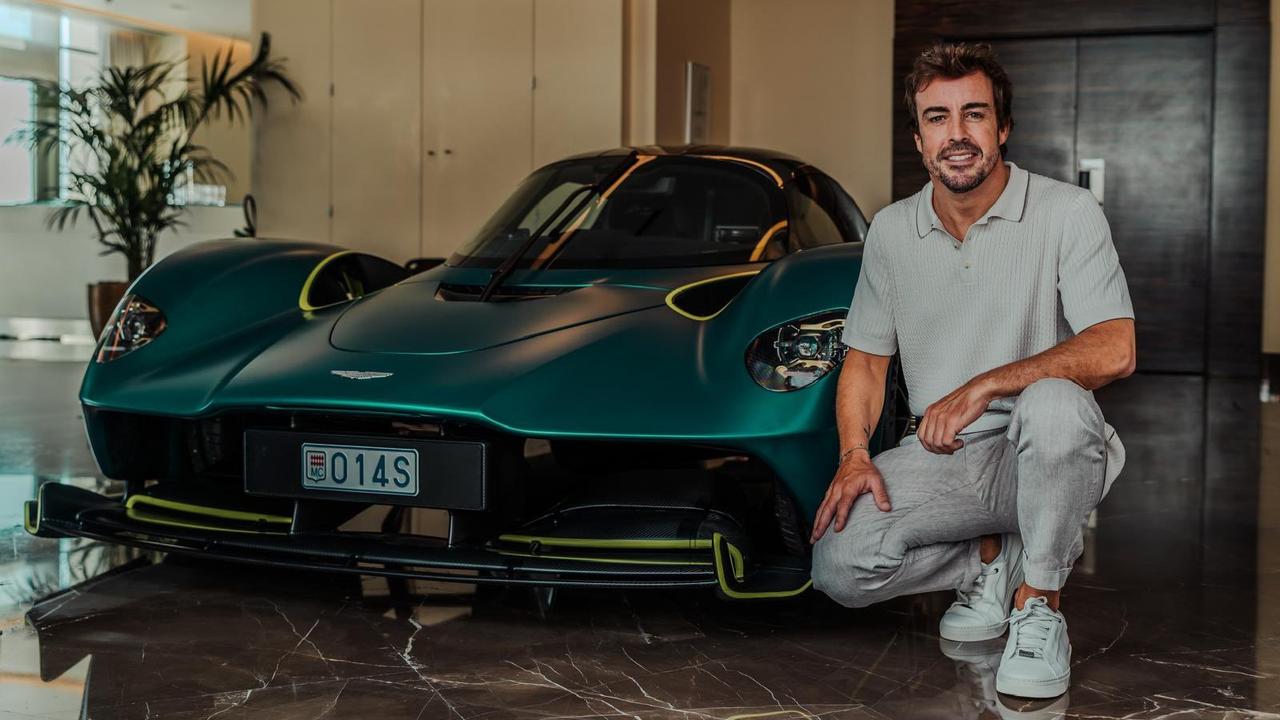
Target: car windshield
663	211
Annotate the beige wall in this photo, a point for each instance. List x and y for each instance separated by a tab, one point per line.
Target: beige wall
567	120
696	31
639	54
292	159
814	78
232	144
1271	295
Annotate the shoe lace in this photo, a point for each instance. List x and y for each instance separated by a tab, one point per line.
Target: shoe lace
1031	627
967	597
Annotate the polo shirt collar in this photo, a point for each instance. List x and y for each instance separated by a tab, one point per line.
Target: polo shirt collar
1009	205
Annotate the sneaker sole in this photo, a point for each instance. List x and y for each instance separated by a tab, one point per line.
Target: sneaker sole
971	651
971	634
1038	689
987	632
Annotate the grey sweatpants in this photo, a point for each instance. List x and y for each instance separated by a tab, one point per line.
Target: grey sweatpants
1039	477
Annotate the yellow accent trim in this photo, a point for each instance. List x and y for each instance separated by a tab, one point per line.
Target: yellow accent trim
768	235
628	561
728	590
146	517
758	165
240	515
315	272
31	516
735	559
671	295
695	544
552	247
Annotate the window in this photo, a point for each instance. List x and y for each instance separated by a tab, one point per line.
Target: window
40	46
17	167
668	211
79	61
822	213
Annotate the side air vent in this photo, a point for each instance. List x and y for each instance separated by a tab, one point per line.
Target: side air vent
451	292
345	276
705	299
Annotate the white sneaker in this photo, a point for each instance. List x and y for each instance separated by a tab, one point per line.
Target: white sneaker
980	613
1037	656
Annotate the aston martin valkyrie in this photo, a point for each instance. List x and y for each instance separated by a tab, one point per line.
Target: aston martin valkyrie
623	379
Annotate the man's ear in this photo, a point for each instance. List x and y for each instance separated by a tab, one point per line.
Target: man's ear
916	136
1004	135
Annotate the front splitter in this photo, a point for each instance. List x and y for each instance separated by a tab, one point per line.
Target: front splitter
66	511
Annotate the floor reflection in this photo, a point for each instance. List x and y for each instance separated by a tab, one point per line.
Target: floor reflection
188	638
1171	612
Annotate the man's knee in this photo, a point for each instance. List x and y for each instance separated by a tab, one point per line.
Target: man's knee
1058	412
1052	392
846	567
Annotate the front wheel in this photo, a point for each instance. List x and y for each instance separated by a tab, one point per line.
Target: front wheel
792	528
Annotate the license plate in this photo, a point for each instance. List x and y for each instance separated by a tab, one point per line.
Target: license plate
358	468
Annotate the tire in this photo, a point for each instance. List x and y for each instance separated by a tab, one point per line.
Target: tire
791	527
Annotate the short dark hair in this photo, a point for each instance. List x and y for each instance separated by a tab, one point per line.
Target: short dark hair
953	60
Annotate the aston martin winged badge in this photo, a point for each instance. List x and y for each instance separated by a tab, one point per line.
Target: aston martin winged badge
361	374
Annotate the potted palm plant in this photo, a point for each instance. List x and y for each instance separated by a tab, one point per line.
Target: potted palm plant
131	149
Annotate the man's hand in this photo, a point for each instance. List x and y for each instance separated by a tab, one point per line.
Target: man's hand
855	476
944	419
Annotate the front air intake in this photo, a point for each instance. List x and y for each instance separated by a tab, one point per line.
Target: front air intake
451	292
705	299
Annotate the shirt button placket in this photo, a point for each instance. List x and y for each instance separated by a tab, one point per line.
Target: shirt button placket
966	254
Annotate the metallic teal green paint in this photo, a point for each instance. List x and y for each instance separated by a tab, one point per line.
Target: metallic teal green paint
608	360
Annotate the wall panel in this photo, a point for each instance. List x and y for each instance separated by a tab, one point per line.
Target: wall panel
377	126
291	156
578	63
478	101
1239	202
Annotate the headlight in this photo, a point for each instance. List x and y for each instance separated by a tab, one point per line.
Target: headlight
795	354
136	323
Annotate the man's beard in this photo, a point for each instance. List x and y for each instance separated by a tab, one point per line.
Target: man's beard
958	182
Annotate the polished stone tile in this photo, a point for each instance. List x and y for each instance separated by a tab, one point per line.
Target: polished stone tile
1172	610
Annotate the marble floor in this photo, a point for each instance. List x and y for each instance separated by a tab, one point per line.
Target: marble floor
1174	609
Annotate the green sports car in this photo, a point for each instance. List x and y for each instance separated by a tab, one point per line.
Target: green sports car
621	380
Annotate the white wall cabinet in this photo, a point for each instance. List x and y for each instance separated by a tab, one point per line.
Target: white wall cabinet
421	116
377	126
578	64
478	94
291	143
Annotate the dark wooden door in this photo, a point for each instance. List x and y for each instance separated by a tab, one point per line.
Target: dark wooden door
1043	73
1143	104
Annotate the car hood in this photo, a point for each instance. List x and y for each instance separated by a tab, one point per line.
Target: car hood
414	318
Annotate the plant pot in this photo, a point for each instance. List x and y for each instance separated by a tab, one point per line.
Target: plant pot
103	298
